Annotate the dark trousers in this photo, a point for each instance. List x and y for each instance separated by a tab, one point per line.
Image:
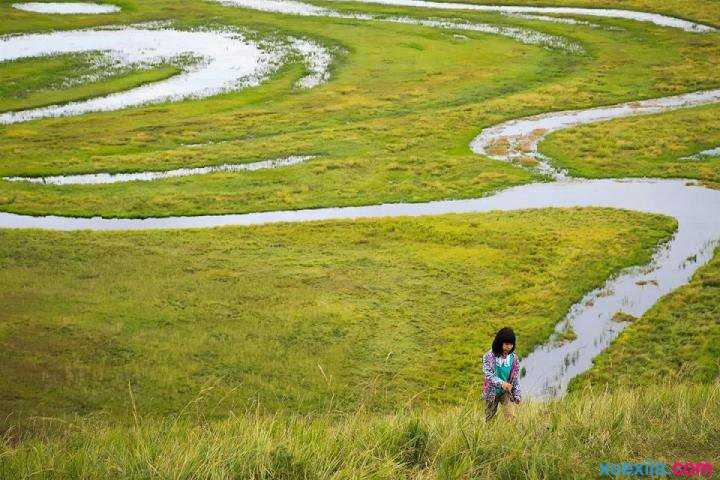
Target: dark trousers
491	406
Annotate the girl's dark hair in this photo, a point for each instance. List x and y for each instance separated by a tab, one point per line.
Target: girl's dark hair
504	335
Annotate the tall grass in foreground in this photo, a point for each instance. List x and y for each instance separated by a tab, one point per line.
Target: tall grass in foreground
561	439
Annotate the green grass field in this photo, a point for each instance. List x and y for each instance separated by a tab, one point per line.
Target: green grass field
299	318
347	349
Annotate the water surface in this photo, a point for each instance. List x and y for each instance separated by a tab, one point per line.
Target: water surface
655	18
212	62
66	8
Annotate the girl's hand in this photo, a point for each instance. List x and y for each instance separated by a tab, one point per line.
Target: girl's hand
506	386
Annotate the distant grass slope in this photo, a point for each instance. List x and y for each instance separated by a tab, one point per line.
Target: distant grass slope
296	317
679	338
650	146
565	439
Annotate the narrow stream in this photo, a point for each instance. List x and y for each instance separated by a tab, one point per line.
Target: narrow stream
516	139
105	178
655	18
297	7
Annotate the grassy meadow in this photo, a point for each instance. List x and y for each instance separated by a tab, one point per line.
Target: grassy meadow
347	349
330	315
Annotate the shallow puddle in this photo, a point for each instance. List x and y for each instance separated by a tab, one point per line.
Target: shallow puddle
290	7
66	8
548	18
704	155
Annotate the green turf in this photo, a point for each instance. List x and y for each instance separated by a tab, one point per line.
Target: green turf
295	317
350	322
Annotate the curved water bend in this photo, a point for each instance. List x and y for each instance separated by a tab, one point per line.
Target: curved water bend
519	138
211	61
689	203
66	8
655	18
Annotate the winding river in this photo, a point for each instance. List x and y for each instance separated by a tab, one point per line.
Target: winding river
656	18
523	35
549	368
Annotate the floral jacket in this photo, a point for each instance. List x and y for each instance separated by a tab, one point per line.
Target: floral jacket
491	380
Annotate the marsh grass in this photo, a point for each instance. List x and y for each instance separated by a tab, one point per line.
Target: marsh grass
561	439
379	312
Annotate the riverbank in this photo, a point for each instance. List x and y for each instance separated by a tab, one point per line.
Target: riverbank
678	338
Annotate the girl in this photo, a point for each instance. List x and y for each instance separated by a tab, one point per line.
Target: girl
501	370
